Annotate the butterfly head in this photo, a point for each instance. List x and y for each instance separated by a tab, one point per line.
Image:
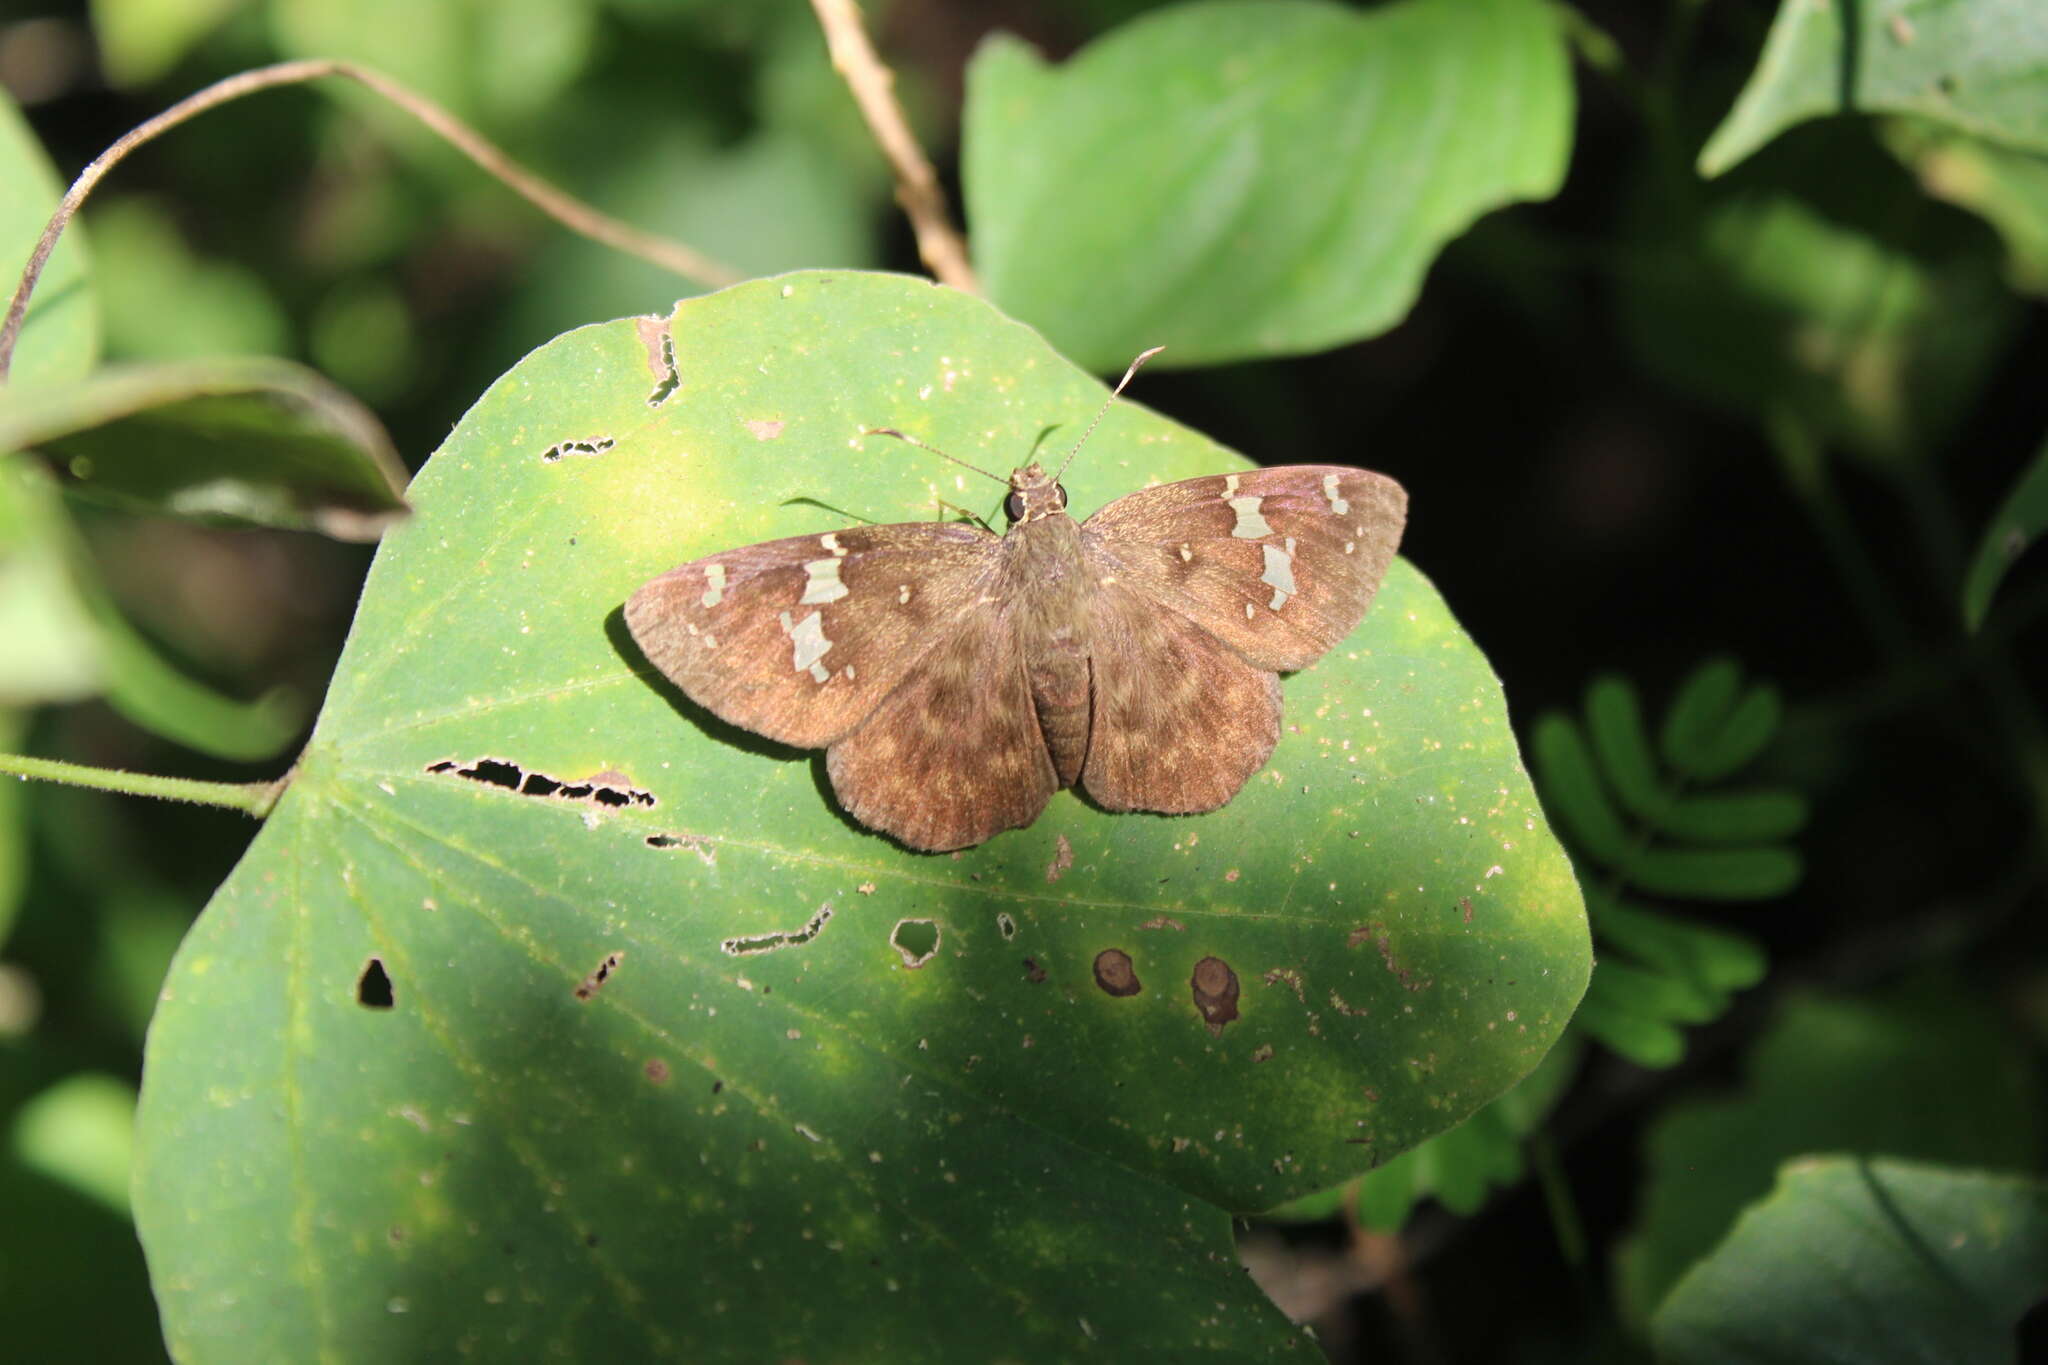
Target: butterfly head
1034	493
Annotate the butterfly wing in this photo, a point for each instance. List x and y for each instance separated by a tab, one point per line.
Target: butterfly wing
801	639
954	755
1278	563
1180	719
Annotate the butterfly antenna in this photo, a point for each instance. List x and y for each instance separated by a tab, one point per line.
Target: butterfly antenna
1143	356
912	440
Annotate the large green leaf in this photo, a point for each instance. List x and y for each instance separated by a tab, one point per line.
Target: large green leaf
1925	1072
1871	1261
1234	179
1980	66
2006	188
822	1091
2018	523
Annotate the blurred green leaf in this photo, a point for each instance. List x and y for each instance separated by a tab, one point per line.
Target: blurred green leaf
1718	874
53	648
1821	285
13	832
1233	179
60	339
1714	726
1871	1261
80	1133
2016	526
1625	1027
1735	817
491	61
72	1281
169	303
1979	66
1714	959
1614	721
1573	787
2005	187
1925	1072
224	439
991	1116
142	40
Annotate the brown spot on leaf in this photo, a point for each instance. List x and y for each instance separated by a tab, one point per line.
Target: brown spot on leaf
1033	973
1214	987
661	357
1380	937
705	849
1116	974
766	428
657	1070
866	888
1062	859
1263	1052
1465	904
1287	976
600	974
785	938
1162	922
1231	875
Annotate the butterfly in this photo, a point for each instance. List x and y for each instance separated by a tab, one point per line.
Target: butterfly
956	678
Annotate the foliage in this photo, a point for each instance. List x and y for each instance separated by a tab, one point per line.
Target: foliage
544	1015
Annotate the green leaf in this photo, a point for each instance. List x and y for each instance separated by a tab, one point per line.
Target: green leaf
1641	1037
1870	1261
60	339
176	304
142	40
1714	874
1980	67
80	1133
2006	188
248	441
68	641
1734	817
1714	727
831	1139
14	854
1819	286
1234	179
2018	522
1459	1167
1571	783
1924	1072
1715	959
1614	719
53	648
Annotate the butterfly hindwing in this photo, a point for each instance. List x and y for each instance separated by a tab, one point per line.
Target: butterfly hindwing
1180	719
954	755
1278	563
800	639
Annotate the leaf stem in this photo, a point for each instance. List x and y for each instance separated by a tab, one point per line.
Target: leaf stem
939	243
571	213
251	798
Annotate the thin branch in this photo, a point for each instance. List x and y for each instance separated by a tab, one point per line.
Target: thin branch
940	244
251	798
571	213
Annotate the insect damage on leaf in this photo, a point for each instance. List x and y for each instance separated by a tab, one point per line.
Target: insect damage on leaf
956	679
604	789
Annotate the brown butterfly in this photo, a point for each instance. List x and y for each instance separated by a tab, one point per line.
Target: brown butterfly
956	679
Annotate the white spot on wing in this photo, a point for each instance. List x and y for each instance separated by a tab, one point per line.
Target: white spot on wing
808	636
1250	524
831	541
1186	554
1229	486
1338	505
1279	574
823	585
714	584
903	593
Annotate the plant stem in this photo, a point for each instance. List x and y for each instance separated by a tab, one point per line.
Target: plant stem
941	246
251	798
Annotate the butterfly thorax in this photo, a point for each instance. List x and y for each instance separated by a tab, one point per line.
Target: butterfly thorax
1046	595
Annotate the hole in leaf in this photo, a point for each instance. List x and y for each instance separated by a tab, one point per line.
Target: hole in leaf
595	446
373	987
607	788
788	938
1033	973
661	358
1006	926
916	941
602	973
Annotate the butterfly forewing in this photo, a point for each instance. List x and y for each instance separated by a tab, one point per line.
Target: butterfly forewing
1180	719
800	639
954	756
1278	563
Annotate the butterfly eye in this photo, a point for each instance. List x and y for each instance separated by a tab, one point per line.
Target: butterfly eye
1060	490
1013	506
